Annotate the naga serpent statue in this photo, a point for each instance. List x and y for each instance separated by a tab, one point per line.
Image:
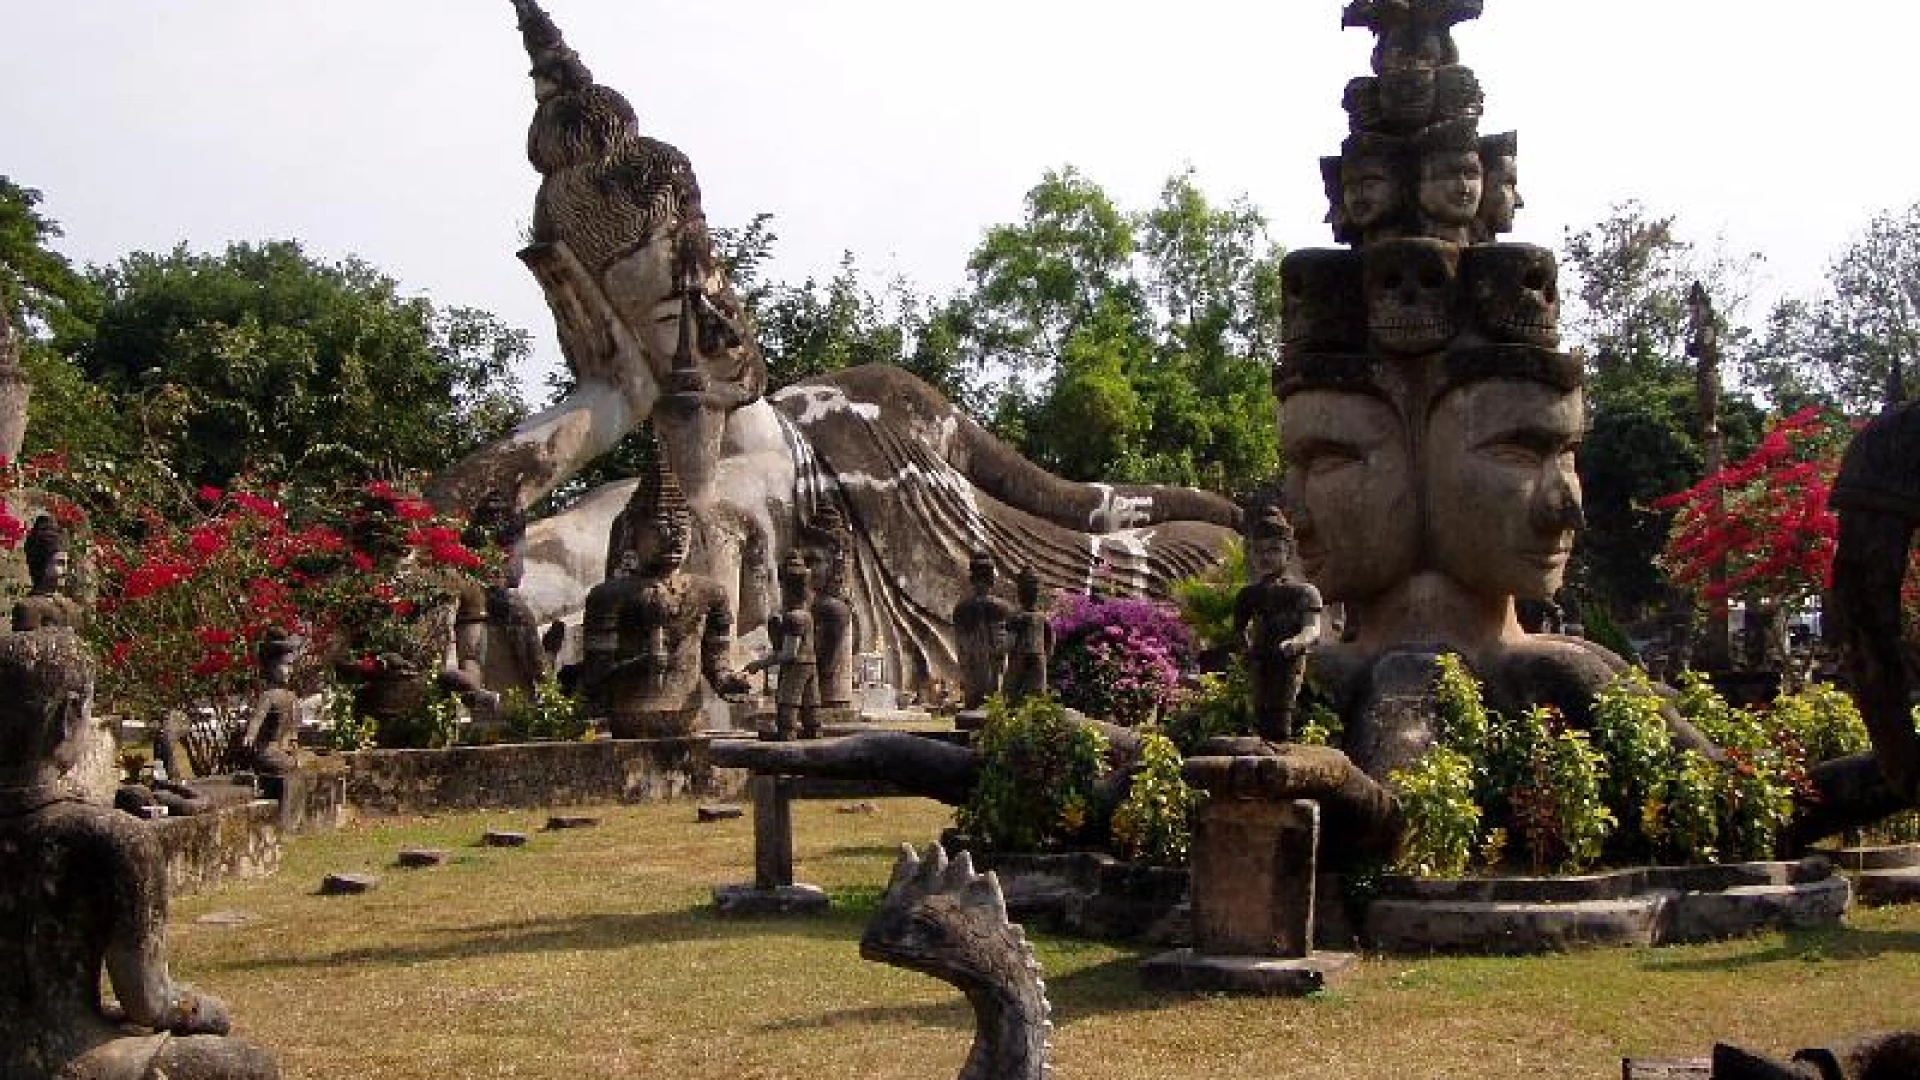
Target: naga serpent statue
652	331
941	919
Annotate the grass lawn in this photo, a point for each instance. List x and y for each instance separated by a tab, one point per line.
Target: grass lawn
595	953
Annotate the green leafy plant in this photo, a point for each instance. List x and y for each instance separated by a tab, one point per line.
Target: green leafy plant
1037	774
1207	599
1442	815
1558	808
347	730
548	714
1154	823
1221	704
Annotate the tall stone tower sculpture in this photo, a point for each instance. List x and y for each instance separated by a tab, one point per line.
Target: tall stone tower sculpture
1428	417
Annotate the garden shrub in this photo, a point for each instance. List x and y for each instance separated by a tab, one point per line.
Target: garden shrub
1118	659
1207	599
548	714
1154	824
1221	704
1038	767
1442	814
1557	809
347	729
1823	719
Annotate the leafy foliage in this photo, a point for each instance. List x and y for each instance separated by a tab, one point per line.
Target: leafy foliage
1221	703
1037	774
1154	823
1437	801
549	714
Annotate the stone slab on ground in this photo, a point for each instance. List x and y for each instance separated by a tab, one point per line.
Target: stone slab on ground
560	822
1271	976
748	901
709	814
418	858
1666	1068
1893	886
348	884
503	838
226	918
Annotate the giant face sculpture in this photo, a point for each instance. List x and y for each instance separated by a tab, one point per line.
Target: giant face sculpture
1502	496
1370	190
1412	288
1350	492
1451	183
1514	292
1499	156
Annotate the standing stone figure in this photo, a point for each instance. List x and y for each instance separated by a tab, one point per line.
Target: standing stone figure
980	627
270	736
797	703
513	657
1030	637
45	605
655	631
834	627
1277	617
83	889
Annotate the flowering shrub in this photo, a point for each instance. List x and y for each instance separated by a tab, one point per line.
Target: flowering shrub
1118	659
549	714
1037	771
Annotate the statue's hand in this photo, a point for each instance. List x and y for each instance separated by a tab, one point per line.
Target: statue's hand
734	686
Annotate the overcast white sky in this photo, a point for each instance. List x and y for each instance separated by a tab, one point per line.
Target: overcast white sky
901	130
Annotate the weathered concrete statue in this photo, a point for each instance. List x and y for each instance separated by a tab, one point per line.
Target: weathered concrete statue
83	890
271	737
1029	641
1277	617
45	605
835	628
1885	1056
940	918
797	702
655	631
980	628
512	656
653	331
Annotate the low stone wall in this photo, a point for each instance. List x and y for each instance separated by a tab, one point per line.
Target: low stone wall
1089	894
232	843
535	775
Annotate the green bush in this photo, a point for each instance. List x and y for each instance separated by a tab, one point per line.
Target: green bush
1437	801
1207	599
1222	705
1558	810
1823	719
347	730
1038	767
1154	824
549	714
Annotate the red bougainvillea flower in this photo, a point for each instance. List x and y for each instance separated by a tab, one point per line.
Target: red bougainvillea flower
210	495
11	529
413	510
381	489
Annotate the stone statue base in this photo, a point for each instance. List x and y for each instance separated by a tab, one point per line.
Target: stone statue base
662	724
970	719
752	901
1184	969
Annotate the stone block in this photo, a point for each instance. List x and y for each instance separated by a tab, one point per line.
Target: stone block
1877	887
561	822
748	901
420	858
1666	1068
348	884
1185	969
1253	877
503	838
709	814
772	832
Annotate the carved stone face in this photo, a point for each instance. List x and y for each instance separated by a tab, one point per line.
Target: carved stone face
1412	289
1267	554
1370	190
1515	293
1503	499
660	548
1406	97
1350	492
1451	183
1322	306
1502	195
645	290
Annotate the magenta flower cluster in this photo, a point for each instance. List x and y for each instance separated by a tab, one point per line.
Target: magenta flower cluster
1118	659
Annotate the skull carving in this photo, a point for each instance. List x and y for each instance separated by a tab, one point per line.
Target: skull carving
1515	293
1321	307
1412	289
1362	102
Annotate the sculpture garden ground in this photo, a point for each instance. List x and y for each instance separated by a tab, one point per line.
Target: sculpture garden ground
595	953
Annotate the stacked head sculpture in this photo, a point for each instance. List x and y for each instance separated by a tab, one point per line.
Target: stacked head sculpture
1428	418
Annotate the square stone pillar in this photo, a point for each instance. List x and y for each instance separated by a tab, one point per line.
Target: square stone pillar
1253	877
773	892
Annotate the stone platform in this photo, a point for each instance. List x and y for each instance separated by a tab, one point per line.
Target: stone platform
535	776
237	842
750	901
1888	874
1184	969
1646	906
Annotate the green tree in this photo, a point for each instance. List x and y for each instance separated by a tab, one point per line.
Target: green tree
1855	344
263	359
48	301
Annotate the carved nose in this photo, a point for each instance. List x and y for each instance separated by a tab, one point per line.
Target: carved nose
1559	509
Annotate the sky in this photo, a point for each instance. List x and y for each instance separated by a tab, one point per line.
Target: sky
902	130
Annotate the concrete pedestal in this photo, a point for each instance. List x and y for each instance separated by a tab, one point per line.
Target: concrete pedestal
773	892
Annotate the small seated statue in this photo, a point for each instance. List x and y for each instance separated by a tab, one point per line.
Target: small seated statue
1277	617
270	738
83	889
45	605
979	624
797	702
654	631
1030	634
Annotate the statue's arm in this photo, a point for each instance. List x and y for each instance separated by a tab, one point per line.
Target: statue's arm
1309	633
136	954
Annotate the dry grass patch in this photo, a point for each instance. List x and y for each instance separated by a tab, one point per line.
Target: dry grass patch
594	953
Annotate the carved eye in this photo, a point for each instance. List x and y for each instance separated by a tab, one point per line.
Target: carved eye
1536	280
